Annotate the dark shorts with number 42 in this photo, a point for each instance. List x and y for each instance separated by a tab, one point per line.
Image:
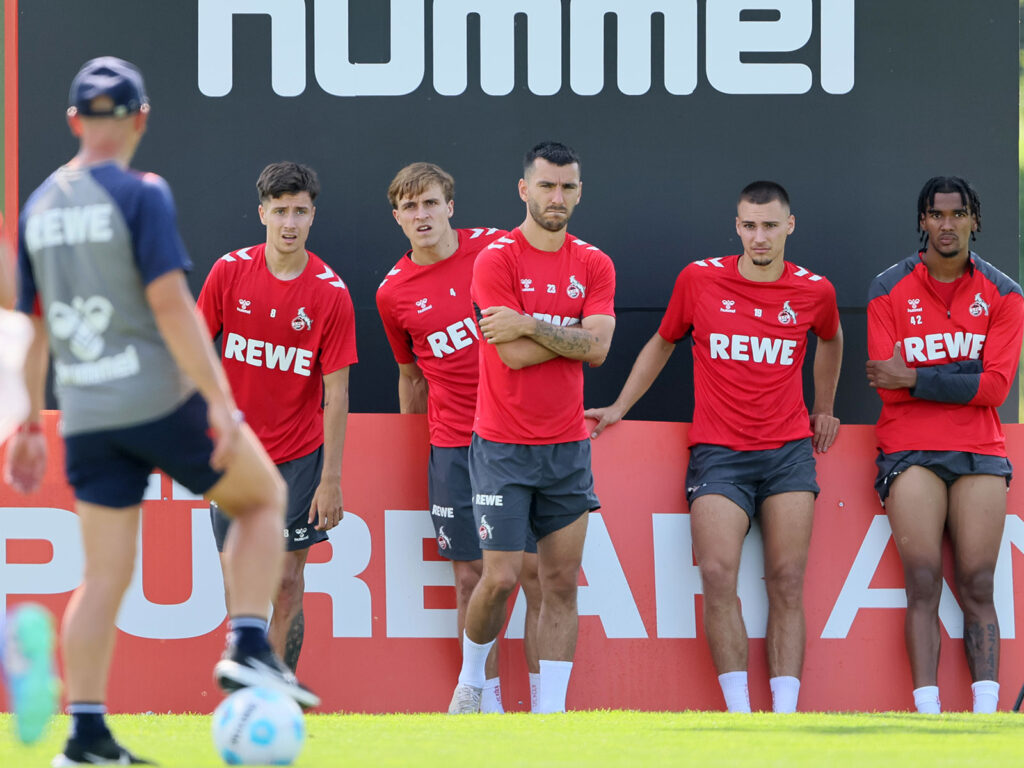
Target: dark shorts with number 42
749	477
519	489
302	476
950	466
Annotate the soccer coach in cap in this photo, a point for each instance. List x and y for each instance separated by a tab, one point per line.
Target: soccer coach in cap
102	277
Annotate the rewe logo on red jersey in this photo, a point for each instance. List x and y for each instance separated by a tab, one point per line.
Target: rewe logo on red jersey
943	346
757	349
263	354
453	338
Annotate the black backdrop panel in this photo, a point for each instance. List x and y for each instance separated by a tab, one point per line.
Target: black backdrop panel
934	92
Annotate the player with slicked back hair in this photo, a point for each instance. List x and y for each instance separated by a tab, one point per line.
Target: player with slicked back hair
547	305
428	315
139	388
944	336
752	441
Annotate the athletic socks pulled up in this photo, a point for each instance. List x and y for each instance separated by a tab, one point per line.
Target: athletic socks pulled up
474	659
553	686
534	691
785	692
734	689
926	699
986	696
490	701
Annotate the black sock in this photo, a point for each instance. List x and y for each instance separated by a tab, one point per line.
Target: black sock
248	633
87	723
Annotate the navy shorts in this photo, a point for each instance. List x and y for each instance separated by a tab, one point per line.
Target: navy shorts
451	505
749	477
950	466
519	489
302	476
111	467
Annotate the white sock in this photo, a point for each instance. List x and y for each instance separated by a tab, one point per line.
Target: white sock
986	696
785	692
474	657
534	691
490	701
734	688
554	683
926	699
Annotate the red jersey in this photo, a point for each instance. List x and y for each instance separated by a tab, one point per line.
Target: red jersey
541	404
966	353
429	319
279	339
749	340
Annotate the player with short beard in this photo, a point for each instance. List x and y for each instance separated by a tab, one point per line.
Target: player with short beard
944	335
288	336
751	441
547	303
428	315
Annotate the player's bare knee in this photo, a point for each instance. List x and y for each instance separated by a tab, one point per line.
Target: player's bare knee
718	579
785	586
976	588
559	579
465	581
531	588
923	585
498	583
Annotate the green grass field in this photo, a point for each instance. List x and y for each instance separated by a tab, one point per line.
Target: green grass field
609	738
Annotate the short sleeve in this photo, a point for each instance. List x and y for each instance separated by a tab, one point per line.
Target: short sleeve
826	320
211	300
398	337
493	282
28	293
158	245
600	298
678	318
338	348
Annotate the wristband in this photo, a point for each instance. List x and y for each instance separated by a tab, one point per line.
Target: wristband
31	428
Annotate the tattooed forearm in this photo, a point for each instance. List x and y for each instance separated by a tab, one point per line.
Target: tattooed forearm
574	343
293	643
981	642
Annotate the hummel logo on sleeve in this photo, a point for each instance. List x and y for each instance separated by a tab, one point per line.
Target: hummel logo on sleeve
329	273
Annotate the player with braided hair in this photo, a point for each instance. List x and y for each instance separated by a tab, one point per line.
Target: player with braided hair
944	335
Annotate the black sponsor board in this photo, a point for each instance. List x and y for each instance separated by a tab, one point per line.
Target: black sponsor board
850	105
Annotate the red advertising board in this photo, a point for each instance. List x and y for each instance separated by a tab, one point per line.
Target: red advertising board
380	604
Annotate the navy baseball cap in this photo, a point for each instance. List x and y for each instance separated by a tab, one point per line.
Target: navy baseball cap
117	79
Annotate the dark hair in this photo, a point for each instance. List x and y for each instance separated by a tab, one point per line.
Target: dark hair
764	192
414	179
279	179
940	184
553	152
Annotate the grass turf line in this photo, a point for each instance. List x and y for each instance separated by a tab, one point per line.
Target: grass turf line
598	738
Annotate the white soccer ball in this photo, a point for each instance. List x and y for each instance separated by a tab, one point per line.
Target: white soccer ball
258	726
